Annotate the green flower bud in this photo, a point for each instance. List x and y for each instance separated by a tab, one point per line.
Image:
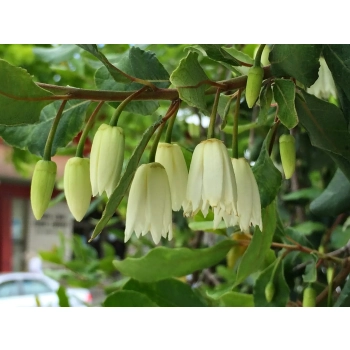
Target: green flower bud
269	291
309	297
77	186
255	78
330	275
41	189
287	151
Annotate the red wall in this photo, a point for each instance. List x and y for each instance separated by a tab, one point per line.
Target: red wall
7	192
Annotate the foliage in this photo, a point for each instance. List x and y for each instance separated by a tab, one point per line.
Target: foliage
305	231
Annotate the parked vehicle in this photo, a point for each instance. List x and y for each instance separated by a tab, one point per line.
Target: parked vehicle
36	289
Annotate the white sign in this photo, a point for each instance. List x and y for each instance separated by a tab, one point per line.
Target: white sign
44	234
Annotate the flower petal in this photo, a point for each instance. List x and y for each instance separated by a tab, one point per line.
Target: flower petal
135	212
195	182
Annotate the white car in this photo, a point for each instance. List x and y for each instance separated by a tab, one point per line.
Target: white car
36	289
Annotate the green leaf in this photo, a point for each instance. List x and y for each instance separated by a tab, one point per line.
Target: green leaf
161	263
235	299
33	137
63	300
296	236
298	61
104	81
125	181
239	56
165	293
259	246
205	226
284	93
310	275
17	90
190	73
52	257
56	54
337	58
334	200
218	52
308	227
219	291
128	298
328	134
305	194
340	237
344	297
265	104
268	178
116	73
140	64
281	295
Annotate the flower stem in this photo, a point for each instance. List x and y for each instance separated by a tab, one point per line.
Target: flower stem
169	129
235	126
257	61
88	126
171	110
50	138
213	115
152	154
120	108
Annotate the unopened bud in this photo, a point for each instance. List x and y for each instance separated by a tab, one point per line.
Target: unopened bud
287	151
309	297
269	291
77	186
330	275
42	186
255	78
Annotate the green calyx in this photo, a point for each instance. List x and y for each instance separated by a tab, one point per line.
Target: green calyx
309	297
42	186
269	291
287	152
255	78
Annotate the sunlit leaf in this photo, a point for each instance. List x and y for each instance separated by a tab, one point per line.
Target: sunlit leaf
162	263
21	100
190	73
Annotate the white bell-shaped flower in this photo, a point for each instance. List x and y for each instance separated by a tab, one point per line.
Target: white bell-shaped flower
172	158
211	182
106	159
149	204
248	197
77	186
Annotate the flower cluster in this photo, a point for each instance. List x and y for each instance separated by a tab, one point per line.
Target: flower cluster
214	180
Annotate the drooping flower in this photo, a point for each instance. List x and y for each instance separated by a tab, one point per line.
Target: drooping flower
149	204
77	186
248	197
43	182
211	182
106	159
172	158
324	86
